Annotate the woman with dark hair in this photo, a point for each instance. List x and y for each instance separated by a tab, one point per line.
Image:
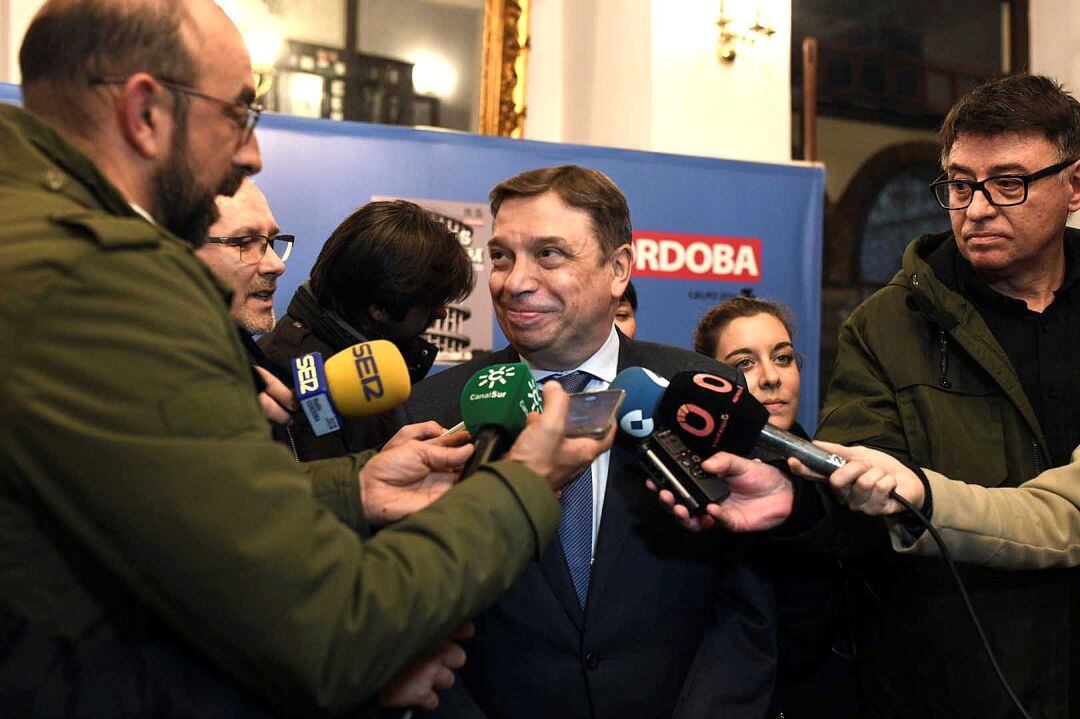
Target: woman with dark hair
756	335
386	272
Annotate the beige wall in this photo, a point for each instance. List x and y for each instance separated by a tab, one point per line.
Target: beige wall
1055	26
844	145
15	17
643	74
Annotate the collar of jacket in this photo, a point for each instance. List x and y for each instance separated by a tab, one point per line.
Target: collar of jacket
325	324
36	154
928	273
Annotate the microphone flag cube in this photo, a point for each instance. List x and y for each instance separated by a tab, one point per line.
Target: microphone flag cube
644	388
711	413
500	396
309	379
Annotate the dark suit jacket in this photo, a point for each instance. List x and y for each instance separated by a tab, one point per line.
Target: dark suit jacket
674	624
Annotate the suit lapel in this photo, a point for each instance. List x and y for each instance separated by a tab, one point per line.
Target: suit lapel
615	519
555	570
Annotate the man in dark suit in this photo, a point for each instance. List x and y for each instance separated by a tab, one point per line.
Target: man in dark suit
623	615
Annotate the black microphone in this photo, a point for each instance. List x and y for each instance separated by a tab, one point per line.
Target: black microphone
665	457
712	414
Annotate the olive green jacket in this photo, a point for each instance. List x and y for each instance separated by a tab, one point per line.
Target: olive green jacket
1033	526
919	375
139	485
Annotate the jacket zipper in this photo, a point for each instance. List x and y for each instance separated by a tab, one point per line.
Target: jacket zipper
1038	456
292	443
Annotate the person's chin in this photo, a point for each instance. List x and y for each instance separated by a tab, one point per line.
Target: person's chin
257	321
527	339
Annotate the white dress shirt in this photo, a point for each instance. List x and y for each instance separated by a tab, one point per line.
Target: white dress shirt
603	366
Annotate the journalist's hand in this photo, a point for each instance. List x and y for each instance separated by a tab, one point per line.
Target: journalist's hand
417	684
404	479
544	448
864	483
421	431
277	400
761	497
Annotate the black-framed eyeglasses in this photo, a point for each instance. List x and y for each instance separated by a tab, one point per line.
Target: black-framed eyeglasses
253	247
999	190
245	115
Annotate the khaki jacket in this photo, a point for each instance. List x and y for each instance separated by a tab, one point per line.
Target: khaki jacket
1033	526
920	375
141	496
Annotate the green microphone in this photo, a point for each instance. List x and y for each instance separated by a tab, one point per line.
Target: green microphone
494	404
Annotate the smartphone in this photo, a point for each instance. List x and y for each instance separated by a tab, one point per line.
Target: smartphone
592	414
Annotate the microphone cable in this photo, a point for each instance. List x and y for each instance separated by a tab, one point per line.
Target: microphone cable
964	595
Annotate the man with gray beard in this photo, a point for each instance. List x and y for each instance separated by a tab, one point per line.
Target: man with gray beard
246	252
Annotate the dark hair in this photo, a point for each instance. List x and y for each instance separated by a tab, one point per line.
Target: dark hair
1016	103
580	187
715	320
394	255
630	295
71	43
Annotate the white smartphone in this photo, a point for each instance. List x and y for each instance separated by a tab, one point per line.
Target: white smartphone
591	414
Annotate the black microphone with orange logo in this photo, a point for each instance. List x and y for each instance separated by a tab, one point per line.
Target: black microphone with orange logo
712	414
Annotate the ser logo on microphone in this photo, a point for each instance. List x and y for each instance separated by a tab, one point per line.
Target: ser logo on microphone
368	371
307	374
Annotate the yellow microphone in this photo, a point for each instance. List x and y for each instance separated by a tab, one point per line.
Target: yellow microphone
364	380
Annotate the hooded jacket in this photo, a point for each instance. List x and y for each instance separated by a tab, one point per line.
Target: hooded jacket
920	375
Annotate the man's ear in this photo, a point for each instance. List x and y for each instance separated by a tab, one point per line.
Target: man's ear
622	262
144	111
1073	178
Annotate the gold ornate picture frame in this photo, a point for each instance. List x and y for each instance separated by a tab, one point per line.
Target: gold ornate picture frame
502	86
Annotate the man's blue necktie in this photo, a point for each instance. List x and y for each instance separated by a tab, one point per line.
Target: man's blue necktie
575	529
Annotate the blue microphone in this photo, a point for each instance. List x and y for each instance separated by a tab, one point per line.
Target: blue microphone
665	457
643	388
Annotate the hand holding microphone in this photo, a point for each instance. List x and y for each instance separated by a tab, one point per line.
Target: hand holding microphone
865	483
713	414
669	462
494	405
544	447
278	401
367	379
501	405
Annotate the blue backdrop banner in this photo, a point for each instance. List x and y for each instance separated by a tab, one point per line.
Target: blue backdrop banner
704	229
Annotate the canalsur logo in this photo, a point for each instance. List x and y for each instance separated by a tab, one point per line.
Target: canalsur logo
536	403
496	376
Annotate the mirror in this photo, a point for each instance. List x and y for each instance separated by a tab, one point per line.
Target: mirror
451	64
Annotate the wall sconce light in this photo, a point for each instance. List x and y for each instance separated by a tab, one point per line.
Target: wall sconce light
735	32
264	47
264	35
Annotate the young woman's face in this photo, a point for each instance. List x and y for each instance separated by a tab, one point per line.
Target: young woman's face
761	347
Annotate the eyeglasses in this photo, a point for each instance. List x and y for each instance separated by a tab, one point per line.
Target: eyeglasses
245	115
253	247
999	190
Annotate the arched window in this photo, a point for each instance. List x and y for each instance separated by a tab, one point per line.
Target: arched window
902	209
